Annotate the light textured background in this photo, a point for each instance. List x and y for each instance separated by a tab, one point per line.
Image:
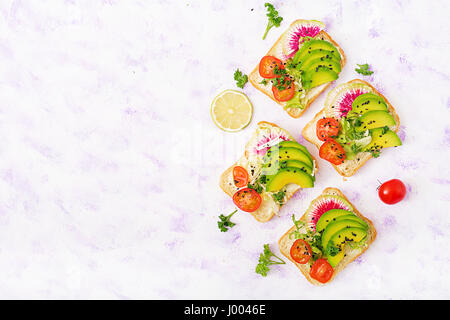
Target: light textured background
109	160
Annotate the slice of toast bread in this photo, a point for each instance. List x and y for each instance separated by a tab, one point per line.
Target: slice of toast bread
269	207
255	78
348	167
286	241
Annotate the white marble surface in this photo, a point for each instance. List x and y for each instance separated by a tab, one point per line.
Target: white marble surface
109	160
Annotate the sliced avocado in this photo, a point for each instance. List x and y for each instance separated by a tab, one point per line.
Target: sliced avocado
272	168
375	119
318	76
296	164
334	260
382	140
289	144
280	154
368	95
353	217
323	55
368	102
294	144
336	226
330	216
289	175
355	234
341	237
314	64
308	46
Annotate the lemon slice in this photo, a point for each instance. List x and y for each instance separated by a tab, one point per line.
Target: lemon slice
231	110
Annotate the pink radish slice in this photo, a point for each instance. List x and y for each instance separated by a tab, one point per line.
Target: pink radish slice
296	34
324	204
339	101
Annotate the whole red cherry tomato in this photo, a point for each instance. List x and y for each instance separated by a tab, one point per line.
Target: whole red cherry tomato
392	191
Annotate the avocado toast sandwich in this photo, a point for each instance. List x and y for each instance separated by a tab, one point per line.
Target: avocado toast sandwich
330	235
301	64
356	123
274	166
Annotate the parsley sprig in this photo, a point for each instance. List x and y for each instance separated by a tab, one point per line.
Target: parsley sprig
224	223
364	69
241	79
265	260
274	19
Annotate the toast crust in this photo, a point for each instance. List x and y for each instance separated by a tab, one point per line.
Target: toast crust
263	214
349	167
285	242
255	78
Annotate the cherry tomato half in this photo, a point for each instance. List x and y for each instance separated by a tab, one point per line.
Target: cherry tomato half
267	66
240	176
327	128
392	191
321	270
301	251
286	94
332	151
247	199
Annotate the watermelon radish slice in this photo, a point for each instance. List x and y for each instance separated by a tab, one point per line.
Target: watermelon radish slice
339	100
266	141
322	205
296	34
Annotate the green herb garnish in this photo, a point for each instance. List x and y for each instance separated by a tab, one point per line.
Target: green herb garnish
265	261
355	148
375	153
298	225
263	179
264	82
316	253
347	127
282	80
225	222
256	186
279	197
364	69
274	19
332	250
314	239
241	79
